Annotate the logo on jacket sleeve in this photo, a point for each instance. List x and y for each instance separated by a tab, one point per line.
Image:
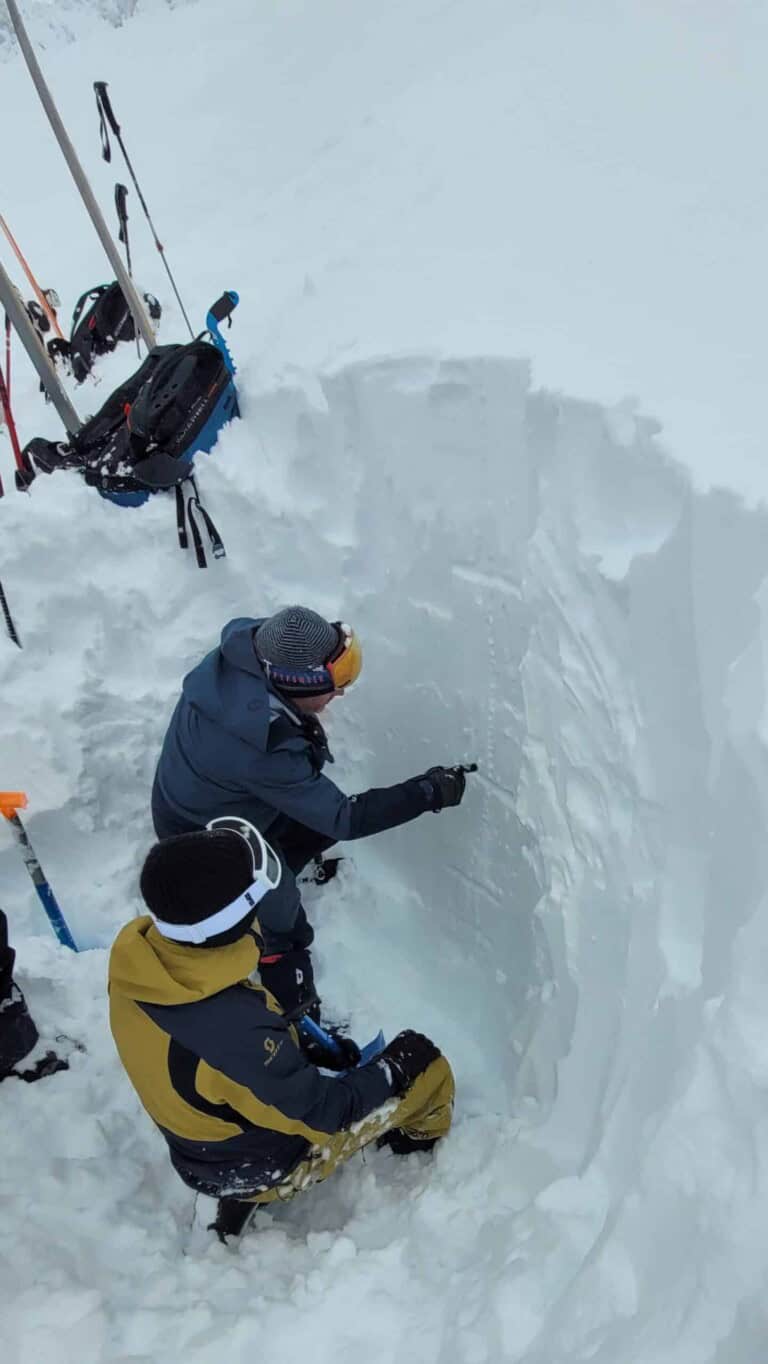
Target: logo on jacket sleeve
271	1047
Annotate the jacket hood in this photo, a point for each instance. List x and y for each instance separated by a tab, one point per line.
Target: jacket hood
230	688
145	966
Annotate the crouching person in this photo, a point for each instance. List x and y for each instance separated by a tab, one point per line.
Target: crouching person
248	1118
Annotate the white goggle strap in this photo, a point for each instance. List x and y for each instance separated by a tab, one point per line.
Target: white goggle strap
233	823
219	922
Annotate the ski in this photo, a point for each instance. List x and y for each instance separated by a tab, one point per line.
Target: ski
40	294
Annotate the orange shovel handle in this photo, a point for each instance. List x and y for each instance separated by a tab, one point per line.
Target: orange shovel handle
11	801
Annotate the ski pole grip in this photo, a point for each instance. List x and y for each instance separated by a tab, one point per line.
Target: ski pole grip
121	196
11	801
102	99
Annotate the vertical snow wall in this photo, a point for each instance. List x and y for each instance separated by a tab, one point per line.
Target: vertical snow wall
538	589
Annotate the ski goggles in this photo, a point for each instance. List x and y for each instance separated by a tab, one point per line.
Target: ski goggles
267	867
345	665
267	870
339	670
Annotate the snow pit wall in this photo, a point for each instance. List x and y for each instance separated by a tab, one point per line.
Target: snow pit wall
538	589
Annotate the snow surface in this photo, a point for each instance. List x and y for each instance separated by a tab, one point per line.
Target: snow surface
538	585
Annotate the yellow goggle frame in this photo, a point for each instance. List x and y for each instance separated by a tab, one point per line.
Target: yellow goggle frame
346	665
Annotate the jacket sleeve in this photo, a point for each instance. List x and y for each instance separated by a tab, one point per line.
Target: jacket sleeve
256	1066
297	790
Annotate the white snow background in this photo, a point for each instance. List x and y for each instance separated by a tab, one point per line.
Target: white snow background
417	201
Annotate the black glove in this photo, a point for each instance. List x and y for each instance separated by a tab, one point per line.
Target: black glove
446	785
290	978
408	1055
342	1054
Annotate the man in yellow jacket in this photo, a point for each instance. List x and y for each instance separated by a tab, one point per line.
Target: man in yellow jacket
219	1068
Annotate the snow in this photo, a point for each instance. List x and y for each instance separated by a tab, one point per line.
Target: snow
462	235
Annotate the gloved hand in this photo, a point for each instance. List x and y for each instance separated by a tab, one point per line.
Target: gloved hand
343	1054
408	1056
446	785
290	978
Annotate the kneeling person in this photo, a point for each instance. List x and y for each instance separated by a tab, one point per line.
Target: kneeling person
217	1065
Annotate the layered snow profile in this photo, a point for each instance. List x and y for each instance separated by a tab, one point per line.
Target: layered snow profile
538	589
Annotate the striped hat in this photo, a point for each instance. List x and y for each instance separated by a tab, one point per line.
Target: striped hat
296	638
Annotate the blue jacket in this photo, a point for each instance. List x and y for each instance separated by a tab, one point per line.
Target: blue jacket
235	746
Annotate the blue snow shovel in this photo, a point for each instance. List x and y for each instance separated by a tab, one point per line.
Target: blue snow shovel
10	804
313	1032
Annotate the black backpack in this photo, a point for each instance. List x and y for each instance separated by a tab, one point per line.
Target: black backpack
106	322
146	435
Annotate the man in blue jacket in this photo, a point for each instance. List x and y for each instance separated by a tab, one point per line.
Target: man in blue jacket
245	739
218	1066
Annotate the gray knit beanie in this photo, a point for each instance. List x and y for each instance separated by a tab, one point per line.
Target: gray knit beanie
296	638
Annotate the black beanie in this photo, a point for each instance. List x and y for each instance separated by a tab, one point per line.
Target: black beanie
189	877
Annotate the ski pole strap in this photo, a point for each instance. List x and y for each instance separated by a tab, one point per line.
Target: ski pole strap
106	116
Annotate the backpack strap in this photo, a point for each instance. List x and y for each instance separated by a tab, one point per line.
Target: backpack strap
83	299
186	508
181	516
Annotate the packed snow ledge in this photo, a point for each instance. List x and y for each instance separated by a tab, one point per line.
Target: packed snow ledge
537	588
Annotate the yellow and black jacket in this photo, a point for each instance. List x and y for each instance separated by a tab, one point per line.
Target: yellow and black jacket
218	1068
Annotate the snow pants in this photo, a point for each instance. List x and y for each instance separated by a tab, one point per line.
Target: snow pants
18	1033
424	1111
296	842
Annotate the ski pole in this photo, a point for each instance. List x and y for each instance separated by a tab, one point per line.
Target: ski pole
139	312
39	295
107	116
5	406
121	204
121	197
9	625
10	804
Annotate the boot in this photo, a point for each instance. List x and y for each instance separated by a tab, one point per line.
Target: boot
401	1144
231	1217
